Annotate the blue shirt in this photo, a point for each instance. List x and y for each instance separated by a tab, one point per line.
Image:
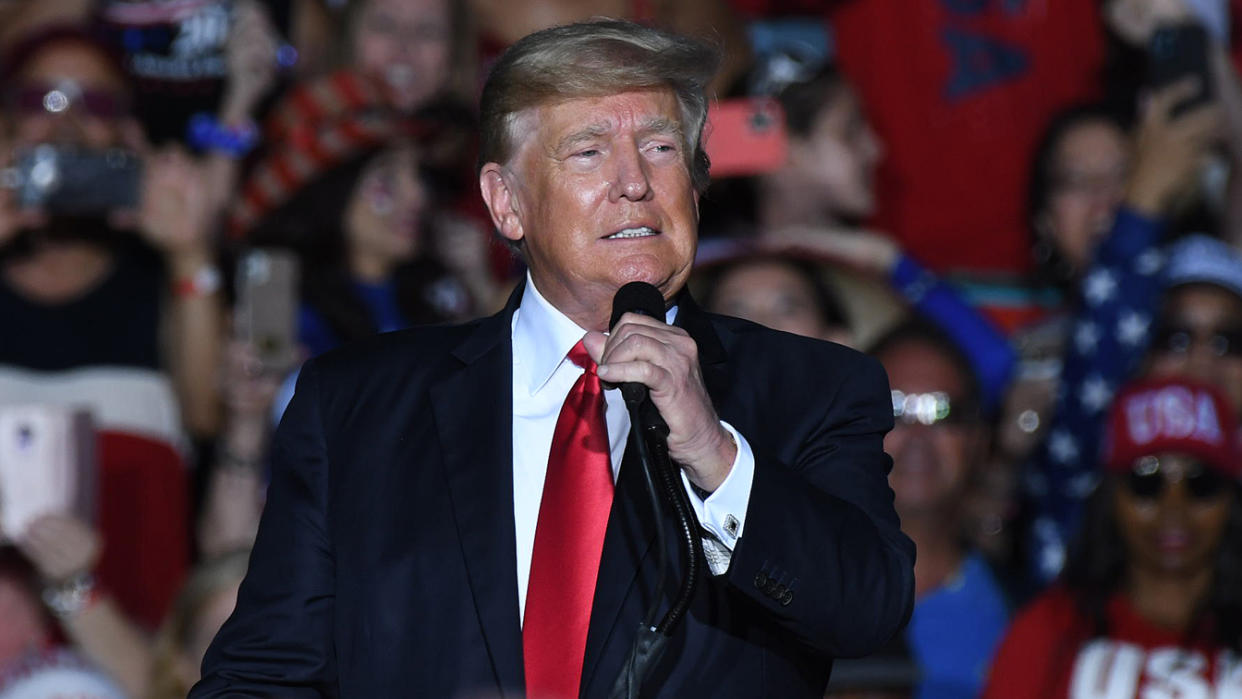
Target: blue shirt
955	630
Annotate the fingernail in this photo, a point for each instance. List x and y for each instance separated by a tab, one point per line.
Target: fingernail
603	371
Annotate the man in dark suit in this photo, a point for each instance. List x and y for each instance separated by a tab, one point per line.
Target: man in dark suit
455	511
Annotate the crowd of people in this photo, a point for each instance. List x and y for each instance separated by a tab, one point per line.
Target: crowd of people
1013	205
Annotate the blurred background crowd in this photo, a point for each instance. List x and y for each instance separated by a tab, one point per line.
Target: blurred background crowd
1029	210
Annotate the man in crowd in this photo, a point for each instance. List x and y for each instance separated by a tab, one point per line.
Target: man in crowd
455	509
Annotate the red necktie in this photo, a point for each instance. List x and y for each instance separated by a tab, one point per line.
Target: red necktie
569	537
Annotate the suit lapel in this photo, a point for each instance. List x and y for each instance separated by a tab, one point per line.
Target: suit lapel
473	413
631	533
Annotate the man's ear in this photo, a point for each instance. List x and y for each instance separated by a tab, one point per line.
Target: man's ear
501	200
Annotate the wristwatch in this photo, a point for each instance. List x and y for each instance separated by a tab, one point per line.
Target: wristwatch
70	597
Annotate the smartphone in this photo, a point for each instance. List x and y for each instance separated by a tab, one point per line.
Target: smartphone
1178	51
63	179
746	137
267	306
47	465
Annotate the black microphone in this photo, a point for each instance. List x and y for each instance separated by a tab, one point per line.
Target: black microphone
636	297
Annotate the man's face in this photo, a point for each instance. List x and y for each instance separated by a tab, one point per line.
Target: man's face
599	194
931	462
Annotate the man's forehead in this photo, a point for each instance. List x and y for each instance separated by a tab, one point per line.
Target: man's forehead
641	110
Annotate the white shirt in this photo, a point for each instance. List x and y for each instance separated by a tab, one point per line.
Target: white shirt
542	377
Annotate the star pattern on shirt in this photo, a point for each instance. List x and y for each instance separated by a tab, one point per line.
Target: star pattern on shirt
1100	287
1149	262
1051	546
1082	485
1132	328
1086	337
1096	394
1062	447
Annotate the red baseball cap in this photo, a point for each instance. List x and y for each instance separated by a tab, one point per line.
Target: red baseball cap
1172	415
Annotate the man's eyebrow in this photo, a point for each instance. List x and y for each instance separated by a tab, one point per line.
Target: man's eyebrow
658	125
584	134
662	125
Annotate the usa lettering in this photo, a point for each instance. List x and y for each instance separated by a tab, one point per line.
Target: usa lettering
1108	669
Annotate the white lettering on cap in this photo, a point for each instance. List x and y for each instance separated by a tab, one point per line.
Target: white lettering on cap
1207	427
1173	412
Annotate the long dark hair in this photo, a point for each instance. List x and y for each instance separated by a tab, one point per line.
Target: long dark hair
1097	565
1051	267
312	224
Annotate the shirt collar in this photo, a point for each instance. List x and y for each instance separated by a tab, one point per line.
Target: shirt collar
542	338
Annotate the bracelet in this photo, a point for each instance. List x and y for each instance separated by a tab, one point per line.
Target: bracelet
206	133
204	281
71	597
229	460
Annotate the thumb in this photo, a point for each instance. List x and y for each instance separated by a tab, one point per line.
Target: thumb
594	342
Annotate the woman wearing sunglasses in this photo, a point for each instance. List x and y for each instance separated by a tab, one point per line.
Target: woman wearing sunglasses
1150	601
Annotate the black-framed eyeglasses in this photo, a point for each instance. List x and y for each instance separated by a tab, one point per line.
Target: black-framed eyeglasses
1147	480
1180	339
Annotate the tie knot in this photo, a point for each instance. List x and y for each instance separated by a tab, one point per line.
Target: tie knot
578	355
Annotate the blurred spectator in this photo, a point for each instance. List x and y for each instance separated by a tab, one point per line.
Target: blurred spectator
342	183
812	204
1116	295
959	92
1132	24
234	493
211	58
1198	331
780	291
1149	600
938	444
202	606
421	49
104	312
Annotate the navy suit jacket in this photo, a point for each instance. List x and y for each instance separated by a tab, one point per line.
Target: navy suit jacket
385	564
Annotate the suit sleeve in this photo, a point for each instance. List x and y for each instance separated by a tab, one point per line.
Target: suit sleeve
829	561
278	642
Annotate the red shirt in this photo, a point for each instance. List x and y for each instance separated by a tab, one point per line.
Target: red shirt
960	91
1050	652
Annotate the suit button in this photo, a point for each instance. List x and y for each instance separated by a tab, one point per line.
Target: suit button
761	581
786	598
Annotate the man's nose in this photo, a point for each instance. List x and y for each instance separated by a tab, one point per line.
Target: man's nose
630	180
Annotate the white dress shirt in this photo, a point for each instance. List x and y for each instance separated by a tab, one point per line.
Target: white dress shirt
542	377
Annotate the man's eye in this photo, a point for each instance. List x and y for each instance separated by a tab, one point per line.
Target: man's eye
664	148
588	153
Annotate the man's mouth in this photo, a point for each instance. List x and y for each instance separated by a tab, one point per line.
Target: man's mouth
639	232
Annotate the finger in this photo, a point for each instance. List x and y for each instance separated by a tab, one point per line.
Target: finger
652	376
633	341
1202	121
1162	101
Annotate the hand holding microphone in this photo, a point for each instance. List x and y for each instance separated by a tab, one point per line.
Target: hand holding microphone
645	350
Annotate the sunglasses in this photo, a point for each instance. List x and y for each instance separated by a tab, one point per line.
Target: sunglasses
931	409
1147	481
58	98
1175	339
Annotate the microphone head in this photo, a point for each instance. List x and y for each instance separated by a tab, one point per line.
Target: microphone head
637	297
